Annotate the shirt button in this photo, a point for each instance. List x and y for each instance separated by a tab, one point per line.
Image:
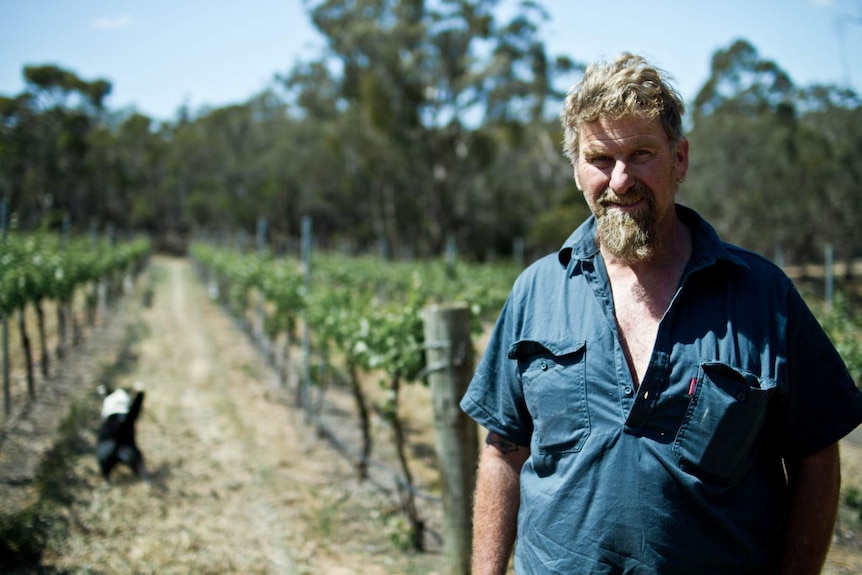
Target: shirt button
628	390
544	366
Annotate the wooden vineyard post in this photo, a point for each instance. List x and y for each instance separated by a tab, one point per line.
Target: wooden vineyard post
7	394
449	357
828	276
260	313
303	389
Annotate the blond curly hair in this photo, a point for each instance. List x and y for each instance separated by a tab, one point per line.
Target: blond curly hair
627	86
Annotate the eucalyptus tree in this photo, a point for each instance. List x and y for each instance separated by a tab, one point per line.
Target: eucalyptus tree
125	160
744	150
320	165
775	165
44	133
830	166
18	146
510	164
274	164
426	96
376	46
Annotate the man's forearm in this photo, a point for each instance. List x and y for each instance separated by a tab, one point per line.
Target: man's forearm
814	487
496	503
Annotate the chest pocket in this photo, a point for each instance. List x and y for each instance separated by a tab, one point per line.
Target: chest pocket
554	383
724	426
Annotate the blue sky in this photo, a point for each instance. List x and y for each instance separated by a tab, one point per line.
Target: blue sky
161	54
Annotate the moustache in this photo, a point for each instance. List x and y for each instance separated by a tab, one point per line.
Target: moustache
634	194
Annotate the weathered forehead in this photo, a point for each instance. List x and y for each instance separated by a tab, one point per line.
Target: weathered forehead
631	131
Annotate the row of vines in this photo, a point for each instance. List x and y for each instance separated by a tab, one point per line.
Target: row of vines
842	320
37	268
352	319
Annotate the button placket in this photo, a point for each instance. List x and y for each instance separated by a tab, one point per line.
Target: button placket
649	391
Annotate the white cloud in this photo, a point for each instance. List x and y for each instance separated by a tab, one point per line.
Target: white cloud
112	22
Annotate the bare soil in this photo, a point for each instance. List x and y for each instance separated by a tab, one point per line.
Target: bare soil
238	481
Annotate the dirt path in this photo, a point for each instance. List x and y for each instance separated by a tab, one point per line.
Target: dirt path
236	484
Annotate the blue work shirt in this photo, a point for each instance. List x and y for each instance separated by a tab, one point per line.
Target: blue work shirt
682	474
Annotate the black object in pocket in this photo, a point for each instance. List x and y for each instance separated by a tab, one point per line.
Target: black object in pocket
723	428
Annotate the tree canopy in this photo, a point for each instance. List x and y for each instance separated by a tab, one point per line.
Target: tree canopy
772	163
423	123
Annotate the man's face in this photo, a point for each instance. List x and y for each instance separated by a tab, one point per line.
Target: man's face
629	172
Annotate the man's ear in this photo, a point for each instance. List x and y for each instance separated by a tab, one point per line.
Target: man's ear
577	179
681	159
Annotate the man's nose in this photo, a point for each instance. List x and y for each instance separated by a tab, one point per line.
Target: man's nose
621	178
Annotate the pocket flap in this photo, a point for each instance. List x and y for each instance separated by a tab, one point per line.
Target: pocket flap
528	347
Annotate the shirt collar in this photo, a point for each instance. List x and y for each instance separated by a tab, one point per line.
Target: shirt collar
707	247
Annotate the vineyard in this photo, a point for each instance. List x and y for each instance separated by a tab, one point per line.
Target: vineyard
40	268
344	340
360	322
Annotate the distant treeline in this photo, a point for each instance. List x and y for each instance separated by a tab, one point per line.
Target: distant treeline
418	126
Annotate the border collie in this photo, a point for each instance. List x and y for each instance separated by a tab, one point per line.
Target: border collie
116	443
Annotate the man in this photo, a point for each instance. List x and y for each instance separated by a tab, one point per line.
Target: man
657	401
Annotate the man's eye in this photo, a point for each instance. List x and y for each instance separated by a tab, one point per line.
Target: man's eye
642	155
600	161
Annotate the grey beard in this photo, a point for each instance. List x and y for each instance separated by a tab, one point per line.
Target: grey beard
628	236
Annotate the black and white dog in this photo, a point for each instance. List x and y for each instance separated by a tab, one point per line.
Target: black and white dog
116	443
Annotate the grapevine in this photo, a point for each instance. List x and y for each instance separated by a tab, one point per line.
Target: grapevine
35	267
364	316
